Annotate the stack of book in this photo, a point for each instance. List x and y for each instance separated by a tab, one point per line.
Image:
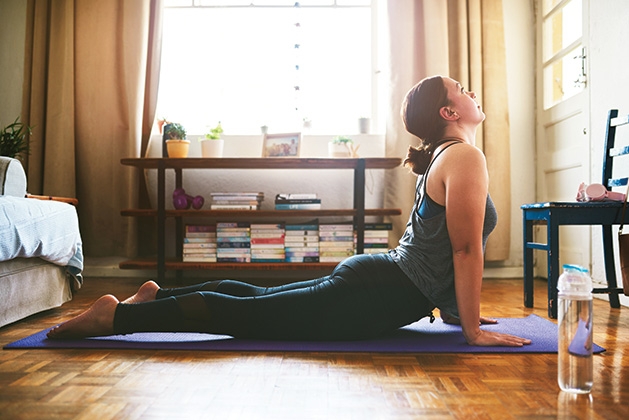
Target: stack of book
336	241
267	242
377	237
233	242
302	242
199	243
306	201
236	200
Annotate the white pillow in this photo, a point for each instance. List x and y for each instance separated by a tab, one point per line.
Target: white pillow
12	177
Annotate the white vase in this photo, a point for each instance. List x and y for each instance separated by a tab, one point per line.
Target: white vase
363	125
212	148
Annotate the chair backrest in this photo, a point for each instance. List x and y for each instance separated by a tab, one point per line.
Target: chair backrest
613	176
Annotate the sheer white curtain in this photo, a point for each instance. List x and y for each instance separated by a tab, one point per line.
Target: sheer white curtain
462	39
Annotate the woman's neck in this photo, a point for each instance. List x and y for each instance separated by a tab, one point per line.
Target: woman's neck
460	134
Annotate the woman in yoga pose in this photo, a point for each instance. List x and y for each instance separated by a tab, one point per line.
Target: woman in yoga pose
437	264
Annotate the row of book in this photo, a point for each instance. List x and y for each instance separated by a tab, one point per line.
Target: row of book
305	201
236	200
253	201
279	242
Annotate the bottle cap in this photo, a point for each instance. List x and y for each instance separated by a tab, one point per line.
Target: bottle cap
574	280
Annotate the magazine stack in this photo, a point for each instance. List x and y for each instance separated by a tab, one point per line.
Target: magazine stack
236	200
302	242
267	242
336	241
306	201
233	242
199	243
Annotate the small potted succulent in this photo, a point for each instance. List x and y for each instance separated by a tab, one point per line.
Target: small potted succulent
13	139
342	146
176	143
212	144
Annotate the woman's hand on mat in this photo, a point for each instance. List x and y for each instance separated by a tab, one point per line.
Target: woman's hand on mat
490	338
449	319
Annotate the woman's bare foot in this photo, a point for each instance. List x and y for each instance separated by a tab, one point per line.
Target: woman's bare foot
146	293
98	320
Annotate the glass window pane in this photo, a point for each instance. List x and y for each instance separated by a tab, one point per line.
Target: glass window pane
561	78
547	5
177	3
249	67
273	2
562	28
222	2
353	2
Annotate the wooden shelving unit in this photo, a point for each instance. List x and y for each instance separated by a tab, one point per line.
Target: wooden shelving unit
161	263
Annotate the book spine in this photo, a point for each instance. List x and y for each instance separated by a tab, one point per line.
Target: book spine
200	258
236	259
201	245
201	240
232	225
302	259
297	206
378	226
298	201
234	207
207	235
200	228
303	249
267	241
309	233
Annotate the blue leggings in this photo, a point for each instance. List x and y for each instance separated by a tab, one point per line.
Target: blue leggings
365	296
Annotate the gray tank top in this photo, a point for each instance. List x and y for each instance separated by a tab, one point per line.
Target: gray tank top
424	252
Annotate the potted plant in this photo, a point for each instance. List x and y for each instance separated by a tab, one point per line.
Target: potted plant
342	146
176	143
13	140
212	144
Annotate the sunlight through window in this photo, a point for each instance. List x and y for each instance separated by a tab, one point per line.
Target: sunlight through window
278	65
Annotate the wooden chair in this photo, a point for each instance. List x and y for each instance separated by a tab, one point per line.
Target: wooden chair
555	214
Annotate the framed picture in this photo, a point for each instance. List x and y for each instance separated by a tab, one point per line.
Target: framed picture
281	145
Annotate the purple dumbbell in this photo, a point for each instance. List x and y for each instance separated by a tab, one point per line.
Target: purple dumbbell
183	201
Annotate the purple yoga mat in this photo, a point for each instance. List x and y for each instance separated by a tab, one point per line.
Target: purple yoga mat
420	337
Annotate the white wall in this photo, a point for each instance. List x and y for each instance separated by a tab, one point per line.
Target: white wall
519	27
608	77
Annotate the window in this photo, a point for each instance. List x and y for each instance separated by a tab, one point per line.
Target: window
274	63
562	50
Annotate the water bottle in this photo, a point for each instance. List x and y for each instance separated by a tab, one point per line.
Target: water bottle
575	368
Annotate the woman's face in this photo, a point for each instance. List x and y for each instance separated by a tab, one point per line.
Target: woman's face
463	102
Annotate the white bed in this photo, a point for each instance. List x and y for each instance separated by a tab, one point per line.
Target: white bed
41	255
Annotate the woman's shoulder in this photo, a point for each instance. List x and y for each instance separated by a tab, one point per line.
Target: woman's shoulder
464	155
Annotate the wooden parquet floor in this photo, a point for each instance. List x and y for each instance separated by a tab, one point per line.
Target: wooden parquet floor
93	384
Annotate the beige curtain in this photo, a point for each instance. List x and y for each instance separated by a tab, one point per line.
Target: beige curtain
462	39
90	92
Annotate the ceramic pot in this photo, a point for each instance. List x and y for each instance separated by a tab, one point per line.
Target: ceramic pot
177	148
212	148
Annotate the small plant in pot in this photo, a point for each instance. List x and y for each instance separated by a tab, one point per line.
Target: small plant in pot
176	143
13	139
212	144
342	146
